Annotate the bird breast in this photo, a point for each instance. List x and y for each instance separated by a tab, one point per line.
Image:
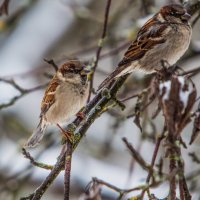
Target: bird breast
69	99
178	42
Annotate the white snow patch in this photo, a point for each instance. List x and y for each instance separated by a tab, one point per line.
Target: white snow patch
167	86
184	95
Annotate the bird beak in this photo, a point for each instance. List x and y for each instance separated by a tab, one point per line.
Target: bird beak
85	72
186	16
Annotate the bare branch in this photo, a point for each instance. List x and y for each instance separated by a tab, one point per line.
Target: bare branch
37	194
100	45
137	156
4	7
21	90
32	161
52	63
68	161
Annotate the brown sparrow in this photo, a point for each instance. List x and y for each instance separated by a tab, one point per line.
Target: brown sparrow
65	95
166	36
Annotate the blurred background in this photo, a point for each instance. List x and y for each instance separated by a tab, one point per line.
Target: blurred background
63	29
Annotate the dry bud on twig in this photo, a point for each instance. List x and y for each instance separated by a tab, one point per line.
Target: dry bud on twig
177	97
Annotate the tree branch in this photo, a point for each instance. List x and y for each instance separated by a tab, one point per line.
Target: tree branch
22	91
100	45
68	161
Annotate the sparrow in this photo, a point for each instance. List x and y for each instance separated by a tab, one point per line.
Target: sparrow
65	95
166	36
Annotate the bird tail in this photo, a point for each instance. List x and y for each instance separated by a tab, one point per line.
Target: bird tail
37	135
120	71
108	80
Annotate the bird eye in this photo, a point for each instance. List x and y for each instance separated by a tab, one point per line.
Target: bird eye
71	67
176	14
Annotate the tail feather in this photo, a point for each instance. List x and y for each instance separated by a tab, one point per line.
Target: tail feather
120	71
37	135
108	80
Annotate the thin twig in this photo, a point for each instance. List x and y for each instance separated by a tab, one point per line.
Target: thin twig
23	93
100	46
116	50
192	71
4	7
196	20
49	179
137	156
155	153
14	84
32	161
68	161
52	63
119	190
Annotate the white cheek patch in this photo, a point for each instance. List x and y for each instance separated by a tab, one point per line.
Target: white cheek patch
60	76
160	18
51	93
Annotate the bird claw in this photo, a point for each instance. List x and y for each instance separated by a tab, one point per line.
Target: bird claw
166	71
81	115
165	64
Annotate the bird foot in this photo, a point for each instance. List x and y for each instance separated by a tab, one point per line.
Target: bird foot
81	115
166	73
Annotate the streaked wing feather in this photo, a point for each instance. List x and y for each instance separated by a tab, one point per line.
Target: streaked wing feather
148	37
49	97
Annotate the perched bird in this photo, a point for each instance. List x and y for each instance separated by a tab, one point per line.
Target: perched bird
65	95
166	36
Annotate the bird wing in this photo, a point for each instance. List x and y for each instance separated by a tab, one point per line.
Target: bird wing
148	37
49	96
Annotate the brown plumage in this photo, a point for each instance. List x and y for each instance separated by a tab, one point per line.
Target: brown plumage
166	36
65	95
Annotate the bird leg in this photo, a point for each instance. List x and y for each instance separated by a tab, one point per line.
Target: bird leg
172	69
80	115
67	134
165	65
166	71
